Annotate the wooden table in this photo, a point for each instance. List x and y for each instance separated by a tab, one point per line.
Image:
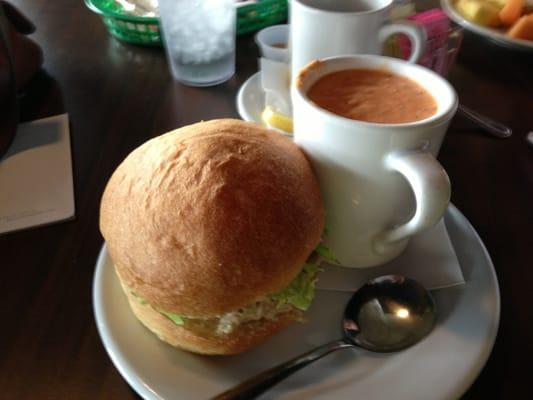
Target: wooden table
118	96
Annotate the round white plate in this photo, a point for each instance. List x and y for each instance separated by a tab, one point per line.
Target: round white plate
442	366
490	33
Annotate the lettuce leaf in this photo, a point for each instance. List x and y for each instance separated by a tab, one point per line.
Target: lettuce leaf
299	293
326	253
301	290
138	298
178	320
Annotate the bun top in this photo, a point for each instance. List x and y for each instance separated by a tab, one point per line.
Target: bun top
210	217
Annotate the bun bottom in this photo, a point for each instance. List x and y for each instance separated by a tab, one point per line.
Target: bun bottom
198	337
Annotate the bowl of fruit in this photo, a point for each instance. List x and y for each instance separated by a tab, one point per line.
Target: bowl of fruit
508	22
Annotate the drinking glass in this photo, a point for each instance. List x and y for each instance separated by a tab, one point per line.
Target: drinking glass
199	38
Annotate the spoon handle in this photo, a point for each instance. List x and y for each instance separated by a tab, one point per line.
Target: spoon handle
259	383
489	125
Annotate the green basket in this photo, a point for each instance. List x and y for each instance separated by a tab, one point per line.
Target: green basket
256	16
129	28
145	30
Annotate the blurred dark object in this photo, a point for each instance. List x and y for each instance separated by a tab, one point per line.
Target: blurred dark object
20	59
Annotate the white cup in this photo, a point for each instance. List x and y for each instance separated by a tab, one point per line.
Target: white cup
268	38
381	183
326	28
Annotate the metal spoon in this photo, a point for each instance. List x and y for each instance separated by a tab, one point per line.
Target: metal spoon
387	314
489	125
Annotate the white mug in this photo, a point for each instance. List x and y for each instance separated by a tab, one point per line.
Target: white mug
326	28
381	183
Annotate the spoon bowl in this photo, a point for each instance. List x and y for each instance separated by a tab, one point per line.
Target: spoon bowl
387	314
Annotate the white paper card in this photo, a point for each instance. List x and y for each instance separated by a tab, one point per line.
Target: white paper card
275	81
36	185
429	258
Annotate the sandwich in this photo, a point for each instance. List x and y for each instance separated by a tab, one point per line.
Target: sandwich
211	228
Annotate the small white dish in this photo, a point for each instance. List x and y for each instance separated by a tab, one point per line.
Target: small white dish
251	99
490	33
273	42
251	102
442	366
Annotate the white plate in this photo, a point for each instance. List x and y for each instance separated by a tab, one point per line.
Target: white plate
442	366
490	33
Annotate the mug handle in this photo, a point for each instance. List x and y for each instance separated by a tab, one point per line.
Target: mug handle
416	34
431	187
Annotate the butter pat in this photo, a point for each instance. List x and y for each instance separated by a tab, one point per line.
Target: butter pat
480	12
276	120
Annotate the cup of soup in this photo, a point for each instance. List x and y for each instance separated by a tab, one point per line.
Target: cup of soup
372	127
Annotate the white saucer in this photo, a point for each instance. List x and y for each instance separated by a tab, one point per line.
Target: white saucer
442	366
251	102
251	99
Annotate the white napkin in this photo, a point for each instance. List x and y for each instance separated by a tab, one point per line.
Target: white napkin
275	81
36	175
429	258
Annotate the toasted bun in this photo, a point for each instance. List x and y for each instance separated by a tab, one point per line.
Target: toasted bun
209	218
199	338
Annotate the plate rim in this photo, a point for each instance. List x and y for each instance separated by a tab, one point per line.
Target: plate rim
126	370
495	326
242	109
129	374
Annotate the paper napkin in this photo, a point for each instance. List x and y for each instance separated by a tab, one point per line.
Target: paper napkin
275	81
429	258
36	176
